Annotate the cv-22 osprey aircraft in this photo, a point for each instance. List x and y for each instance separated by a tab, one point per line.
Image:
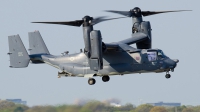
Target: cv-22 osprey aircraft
98	58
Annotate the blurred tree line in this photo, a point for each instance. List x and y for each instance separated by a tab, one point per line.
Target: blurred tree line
93	106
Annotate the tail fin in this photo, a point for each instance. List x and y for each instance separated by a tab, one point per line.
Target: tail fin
19	57
36	43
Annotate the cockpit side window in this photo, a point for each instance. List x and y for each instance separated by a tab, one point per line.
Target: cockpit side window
161	54
152	55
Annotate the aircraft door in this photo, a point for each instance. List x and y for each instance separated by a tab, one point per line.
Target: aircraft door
152	60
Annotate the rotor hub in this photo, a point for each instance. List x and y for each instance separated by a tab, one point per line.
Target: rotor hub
87	18
136	12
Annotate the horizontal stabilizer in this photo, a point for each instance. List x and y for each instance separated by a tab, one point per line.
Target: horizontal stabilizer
36	43
19	57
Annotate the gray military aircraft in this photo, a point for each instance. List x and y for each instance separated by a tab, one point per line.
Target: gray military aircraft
98	58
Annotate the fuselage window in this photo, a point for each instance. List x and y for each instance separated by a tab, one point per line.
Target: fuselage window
152	55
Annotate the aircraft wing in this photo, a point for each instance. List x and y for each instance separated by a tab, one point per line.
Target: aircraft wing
124	44
136	37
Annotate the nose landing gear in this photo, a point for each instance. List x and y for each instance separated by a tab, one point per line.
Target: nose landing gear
167	75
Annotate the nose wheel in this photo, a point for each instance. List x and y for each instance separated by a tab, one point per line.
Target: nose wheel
167	75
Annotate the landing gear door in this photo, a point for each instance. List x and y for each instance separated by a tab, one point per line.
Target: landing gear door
85	66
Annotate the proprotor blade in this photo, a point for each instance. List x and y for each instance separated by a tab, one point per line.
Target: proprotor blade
101	19
124	13
87	20
136	12
71	23
148	13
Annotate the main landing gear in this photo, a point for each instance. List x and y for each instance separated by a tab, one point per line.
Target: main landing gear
92	81
105	78
167	75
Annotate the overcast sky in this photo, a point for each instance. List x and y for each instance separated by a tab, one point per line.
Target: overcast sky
177	34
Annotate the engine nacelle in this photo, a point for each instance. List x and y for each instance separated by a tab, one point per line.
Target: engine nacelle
86	37
145	28
104	47
96	59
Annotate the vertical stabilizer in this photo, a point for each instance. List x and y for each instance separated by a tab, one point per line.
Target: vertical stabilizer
19	57
36	43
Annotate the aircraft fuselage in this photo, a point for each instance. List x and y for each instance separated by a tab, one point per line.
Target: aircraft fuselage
114	63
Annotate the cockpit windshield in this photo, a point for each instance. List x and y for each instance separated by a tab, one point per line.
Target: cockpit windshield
161	54
154	55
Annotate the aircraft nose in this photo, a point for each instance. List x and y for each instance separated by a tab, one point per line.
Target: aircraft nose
176	60
171	64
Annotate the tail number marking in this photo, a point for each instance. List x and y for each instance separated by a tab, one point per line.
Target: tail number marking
20	53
